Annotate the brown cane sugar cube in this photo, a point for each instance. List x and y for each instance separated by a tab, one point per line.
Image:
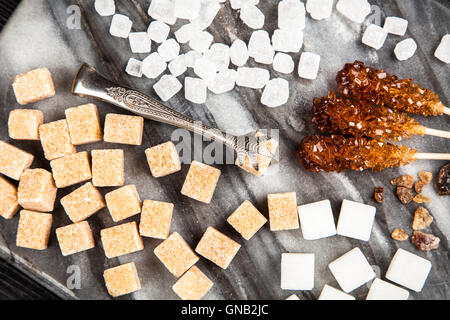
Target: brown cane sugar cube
263	161
8	199
75	238
122	280
13	161
193	285
176	255
123	129
33	86
155	219
55	140
217	247
83	202
283	211
163	159
23	124
247	220
121	239
123	203
200	182
34	230
84	124
71	170
108	168
37	191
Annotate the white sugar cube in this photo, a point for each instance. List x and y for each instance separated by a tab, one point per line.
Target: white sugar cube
238	4
443	50
200	41
285	40
374	36
153	65
319	9
163	10
291	15
308	67
105	7
120	26
297	271
382	290
355	10
408	270
205	69
219	54
169	50
187	9
208	11
292	297
405	49
223	82
252	16
191	58
352	270
395	25
239	53
167	87
140	42
260	47
283	63
195	90
185	32
317	220
255	78
178	65
330	293
276	93
356	220
158	31
134	68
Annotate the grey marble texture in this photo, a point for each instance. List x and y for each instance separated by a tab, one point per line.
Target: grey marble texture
37	35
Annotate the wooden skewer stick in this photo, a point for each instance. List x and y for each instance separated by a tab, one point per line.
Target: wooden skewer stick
437	133
447	111
433	156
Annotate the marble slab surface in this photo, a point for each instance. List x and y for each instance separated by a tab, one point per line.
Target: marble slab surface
38	35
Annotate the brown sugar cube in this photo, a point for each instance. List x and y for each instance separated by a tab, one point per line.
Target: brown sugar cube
122	280
247	220
13	161
263	161
155	219
283	211
37	191
193	285
71	170
8	199
83	202
217	247
123	203
33	86
121	239
108	168
176	255
75	238
123	129
84	124
34	230
23	124
200	182
55	140
163	159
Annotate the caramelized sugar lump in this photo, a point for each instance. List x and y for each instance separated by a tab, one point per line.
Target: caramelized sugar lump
247	220
33	86
120	240
75	238
84	124
425	176
33	231
422	219
55	140
406	181
71	170
379	194
108	168
399	235
404	195
425	241
163	159
23	124
13	161
37	190
123	203
83	202
156	218
8	199
193	285
123	129
122	280
283	211
201	182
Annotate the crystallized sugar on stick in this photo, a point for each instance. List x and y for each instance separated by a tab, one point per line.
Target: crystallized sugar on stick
108	168
55	139
156	218
84	124
247	220
75	238
193	285
83	202
71	170
122	239
33	231
8	199
283	211
122	280
163	159
123	203
13	161
123	129
33	86
23	124
201	182
37	190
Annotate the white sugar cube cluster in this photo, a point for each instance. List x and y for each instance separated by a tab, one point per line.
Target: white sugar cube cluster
383	290
356	220
331	293
443	50
297	271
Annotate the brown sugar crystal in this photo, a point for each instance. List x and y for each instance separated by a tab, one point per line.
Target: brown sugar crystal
217	247
108	168
8	199
420	198
122	280
33	231
425	241
193	285
419	186
84	124
33	86
83	202
75	238
13	161
55	140
23	124
123	203
378	194
406	181
422	219
247	220
122	239
156	218
123	129
425	176
283	211
201	182
176	255
399	235
404	195
71	170
163	159
37	190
